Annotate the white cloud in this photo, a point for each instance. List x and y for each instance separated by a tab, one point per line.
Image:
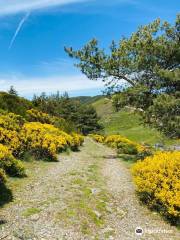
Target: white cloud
16	6
29	86
2	81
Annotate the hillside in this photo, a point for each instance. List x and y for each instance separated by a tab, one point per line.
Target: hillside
125	123
87	99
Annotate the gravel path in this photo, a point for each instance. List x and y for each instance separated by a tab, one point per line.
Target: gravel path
119	183
86	195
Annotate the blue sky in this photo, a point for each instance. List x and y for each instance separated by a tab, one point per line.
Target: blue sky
32	57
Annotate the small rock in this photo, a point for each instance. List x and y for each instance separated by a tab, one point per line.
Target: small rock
109	209
121	212
35	217
98	214
95	190
111	238
110	204
108	229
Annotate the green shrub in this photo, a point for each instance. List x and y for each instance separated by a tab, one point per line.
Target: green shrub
10	165
164	114
15	169
124	148
14	104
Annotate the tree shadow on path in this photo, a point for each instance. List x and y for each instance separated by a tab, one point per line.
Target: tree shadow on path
6	195
110	156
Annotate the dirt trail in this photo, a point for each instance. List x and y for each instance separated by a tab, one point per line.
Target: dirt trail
86	195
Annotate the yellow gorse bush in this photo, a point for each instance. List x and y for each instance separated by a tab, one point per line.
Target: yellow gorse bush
19	138
9	164
46	140
11	139
10	127
158	181
11	121
115	141
34	115
97	138
77	140
122	144
4	152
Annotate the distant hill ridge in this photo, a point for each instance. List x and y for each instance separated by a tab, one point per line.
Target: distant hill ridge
88	99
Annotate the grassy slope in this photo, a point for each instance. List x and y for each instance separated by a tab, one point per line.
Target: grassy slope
87	99
126	123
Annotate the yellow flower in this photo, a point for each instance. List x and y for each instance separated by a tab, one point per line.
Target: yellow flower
158	179
117	141
97	138
48	139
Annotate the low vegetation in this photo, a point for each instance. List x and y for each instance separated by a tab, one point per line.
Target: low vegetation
34	134
157	181
156	174
88	206
11	102
9	164
123	145
45	140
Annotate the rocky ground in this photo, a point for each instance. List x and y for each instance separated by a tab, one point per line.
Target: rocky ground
86	195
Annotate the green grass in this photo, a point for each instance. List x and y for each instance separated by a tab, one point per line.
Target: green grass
103	107
14	184
127	124
31	211
82	205
87	99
